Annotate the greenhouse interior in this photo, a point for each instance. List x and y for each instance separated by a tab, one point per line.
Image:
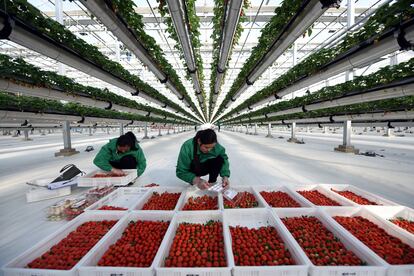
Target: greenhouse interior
206	137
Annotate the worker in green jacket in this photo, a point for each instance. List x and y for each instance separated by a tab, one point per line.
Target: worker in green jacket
200	156
121	153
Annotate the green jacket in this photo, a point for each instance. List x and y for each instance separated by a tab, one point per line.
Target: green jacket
187	155
109	153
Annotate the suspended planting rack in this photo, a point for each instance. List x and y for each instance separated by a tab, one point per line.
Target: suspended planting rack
21	32
103	10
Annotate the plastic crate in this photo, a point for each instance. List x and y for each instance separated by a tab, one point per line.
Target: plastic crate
89	181
192	217
375	267
370	196
89	267
121	197
260	200
298	198
393	212
255	218
194	192
35	194
327	193
16	266
161	190
392	270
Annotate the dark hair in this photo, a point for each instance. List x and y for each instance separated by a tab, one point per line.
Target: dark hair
125	140
134	139
207	136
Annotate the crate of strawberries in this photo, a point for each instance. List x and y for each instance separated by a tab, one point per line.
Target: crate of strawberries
197	200
246	198
280	197
329	250
161	198
196	245
101	178
132	248
61	253
260	246
316	195
122	199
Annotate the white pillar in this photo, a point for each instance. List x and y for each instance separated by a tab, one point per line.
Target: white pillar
247	129
389	132
59	18
292	138
174	129
146	131
294	59
121	129
255	129
269	131
349	75
90	131
26	135
168	130
67	144
325	129
159	130
346	139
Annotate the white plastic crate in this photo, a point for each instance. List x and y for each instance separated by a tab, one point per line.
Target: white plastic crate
121	197
194	192
375	266
35	194
392	212
259	199
89	266
255	218
273	188
89	181
327	193
370	196
161	190
16	267
192	217
392	270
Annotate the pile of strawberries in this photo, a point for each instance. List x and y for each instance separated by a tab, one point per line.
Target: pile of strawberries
318	199
279	199
259	247
164	201
104	175
354	197
204	202
197	245
151	185
242	200
390	248
405	224
319	244
138	245
112	208
67	253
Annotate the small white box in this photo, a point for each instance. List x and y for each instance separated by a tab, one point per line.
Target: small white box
89	181
39	193
121	197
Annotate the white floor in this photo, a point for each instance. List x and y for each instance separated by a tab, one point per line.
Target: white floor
254	160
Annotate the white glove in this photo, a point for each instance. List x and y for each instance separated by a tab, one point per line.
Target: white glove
200	183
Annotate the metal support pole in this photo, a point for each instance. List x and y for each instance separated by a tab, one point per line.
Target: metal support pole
269	131
67	145
292	138
255	129
59	18
307	129
174	129
247	129
146	131
26	135
325	129
346	139
90	131
159	131
294	59
121	129
389	132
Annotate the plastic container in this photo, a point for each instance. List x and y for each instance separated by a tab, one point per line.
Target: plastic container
375	267
370	196
325	192
89	181
192	217
392	270
392	212
89	268
121	197
161	190
95	194
260	201
299	199
16	266
194	192
35	194
255	218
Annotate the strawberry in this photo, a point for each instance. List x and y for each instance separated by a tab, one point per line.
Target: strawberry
405	224
318	199
279	199
354	197
164	201
242	200
204	202
112	208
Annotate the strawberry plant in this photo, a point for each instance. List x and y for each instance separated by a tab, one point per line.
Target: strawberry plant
388	247
164	201
112	208
318	199
68	252
354	197
320	245
279	199
204	202
197	245
259	247
404	223
137	246
242	200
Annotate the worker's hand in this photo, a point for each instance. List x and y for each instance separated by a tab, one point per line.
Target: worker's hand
115	171
225	182
200	183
